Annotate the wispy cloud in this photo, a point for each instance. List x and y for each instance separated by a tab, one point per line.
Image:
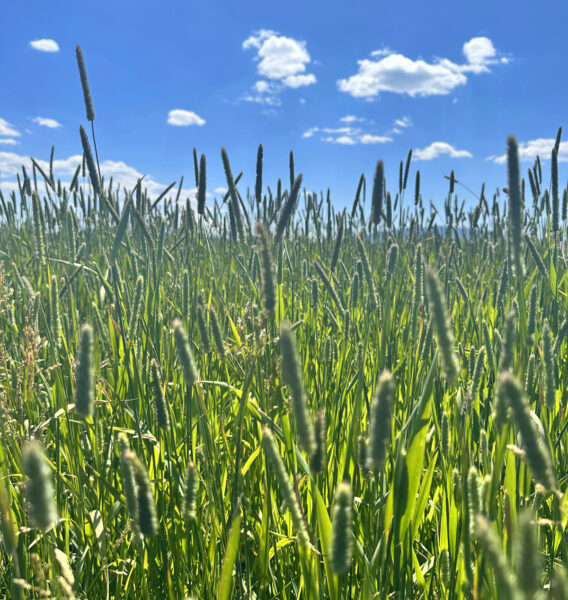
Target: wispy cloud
351	119
51	123
9	141
184	118
541	147
45	45
7	129
387	71
355	131
437	149
281	61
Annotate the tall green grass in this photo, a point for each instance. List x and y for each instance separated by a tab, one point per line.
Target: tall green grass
365	403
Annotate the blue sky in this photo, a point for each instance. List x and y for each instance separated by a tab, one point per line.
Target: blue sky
343	84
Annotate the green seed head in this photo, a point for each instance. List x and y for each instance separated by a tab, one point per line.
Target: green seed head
342	537
39	487
85	84
506	584
84	374
268	287
146	518
292	377
160	406
317	459
185	356
442	325
285	485
190	485
538	457
127	477
380	423
548	359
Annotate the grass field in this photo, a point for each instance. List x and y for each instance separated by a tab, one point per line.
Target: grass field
357	403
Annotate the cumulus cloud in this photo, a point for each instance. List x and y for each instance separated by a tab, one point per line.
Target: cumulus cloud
45	45
126	175
220	190
349	134
282	62
7	129
184	118
479	53
437	149
542	147
296	81
387	71
51	123
9	141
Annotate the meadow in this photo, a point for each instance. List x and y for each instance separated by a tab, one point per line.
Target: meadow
263	396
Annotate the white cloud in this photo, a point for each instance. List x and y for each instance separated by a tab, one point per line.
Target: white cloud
220	190
262	87
538	147
437	149
383	52
351	119
269	100
51	123
347	135
45	45
310	132
278	56
122	173
296	81
342	139
387	71
345	130
183	118
479	53
9	141
374	139
403	122
7	129
282	61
